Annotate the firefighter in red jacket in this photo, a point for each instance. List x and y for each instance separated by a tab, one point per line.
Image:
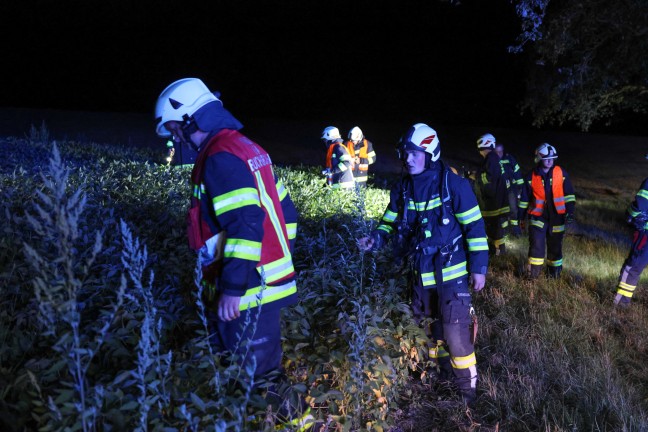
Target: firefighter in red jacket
339	160
548	200
238	203
637	259
493	191
363	155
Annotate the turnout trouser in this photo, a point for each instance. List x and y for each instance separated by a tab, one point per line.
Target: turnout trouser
450	335
496	229
255	334
632	267
543	235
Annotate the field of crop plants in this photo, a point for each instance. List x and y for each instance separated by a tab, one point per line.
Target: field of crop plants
102	326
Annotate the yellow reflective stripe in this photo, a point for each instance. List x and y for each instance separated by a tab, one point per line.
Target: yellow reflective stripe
555	263
536	261
537	223
570	198
291	228
362	179
437	352
477	244
268	204
389	216
387	228
448	273
243	249
469	216
558	228
498	212
463	362
281	190
277	269
235	199
258	296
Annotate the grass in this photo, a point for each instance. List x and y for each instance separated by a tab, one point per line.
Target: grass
102	326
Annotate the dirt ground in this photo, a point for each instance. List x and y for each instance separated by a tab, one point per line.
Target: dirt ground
599	158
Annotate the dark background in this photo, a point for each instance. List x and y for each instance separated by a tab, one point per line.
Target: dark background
324	61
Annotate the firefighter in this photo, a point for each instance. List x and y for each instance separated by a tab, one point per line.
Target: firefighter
493	190
513	176
363	155
241	222
339	162
548	200
434	220
638	256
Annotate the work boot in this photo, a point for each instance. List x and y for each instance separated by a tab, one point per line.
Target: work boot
554	272
534	271
621	301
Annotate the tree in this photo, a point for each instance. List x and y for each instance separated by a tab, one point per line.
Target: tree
589	59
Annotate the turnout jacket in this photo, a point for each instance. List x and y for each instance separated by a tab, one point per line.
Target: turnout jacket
236	196
417	207
366	156
339	166
491	181
638	209
558	202
512	172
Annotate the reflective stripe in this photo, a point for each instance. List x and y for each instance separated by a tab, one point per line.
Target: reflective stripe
498	212
423	206
469	216
281	190
463	362
643	193
558	228
477	244
343	185
258	296
291	228
388	229
268	204
243	249
536	261
625	289
555	263
235	199
277	269
537	223
437	352
389	216
448	273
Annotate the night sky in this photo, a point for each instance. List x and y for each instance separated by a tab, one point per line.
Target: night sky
369	60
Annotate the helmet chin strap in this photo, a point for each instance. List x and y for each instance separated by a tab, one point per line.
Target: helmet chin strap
189	126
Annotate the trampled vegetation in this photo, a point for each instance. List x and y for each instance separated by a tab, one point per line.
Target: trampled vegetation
102	327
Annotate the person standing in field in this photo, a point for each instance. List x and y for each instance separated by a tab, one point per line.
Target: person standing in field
637	258
241	222
339	160
493	190
513	177
363	155
548	200
434	220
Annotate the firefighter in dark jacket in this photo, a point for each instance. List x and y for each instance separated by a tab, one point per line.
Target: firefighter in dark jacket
548	200
638	256
434	219
339	160
513	176
363	155
242	223
493	190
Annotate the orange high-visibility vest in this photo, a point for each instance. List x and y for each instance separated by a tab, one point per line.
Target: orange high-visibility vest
556	189
329	154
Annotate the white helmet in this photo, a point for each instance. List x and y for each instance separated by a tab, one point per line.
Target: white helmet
420	137
179	102
331	133
545	151
355	134
486	141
